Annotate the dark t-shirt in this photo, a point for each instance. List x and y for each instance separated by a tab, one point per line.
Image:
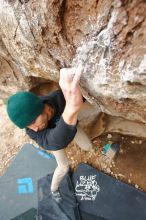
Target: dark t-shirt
58	134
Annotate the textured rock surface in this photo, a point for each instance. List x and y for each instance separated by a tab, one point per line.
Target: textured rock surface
114	61
107	37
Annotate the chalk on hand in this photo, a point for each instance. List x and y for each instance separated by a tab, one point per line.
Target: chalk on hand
78	72
77	75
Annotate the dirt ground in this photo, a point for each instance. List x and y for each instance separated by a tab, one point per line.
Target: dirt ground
129	165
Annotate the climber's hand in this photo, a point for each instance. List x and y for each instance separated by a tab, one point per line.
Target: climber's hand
69	83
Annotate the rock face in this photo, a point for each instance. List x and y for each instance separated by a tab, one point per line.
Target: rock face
114	62
108	38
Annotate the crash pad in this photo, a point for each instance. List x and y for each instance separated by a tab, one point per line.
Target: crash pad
48	209
18	186
104	196
94	195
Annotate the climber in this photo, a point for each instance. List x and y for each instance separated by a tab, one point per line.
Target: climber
52	120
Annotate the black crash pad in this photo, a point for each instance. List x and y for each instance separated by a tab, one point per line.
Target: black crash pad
106	197
48	209
18	186
98	196
31	214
